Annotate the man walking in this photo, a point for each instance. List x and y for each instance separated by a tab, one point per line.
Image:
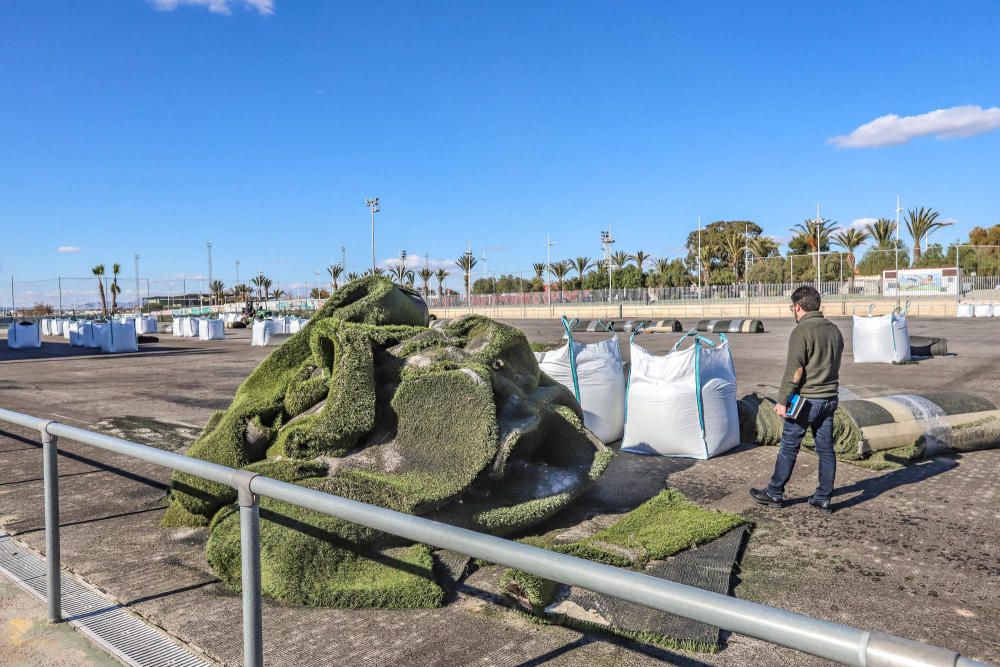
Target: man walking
813	372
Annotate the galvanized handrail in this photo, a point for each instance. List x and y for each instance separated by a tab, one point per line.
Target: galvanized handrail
833	641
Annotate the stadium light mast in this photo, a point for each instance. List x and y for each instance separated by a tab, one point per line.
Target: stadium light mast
548	265
896	249
606	240
373	206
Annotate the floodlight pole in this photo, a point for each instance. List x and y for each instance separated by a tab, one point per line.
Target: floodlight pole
700	268
896	250
237	272
373	205
138	308
548	265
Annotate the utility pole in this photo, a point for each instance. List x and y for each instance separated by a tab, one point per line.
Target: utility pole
343	257
746	264
548	265
700	268
208	244
819	224
896	249
138	308
237	272
373	206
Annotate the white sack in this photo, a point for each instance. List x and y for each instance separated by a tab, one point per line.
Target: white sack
75	332
262	332
92	333
65	328
211	330
682	403
56	327
46	327
119	337
983	310
964	310
295	324
189	327
599	385
883	339
24	336
145	325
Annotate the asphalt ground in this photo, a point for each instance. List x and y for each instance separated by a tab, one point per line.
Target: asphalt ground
913	552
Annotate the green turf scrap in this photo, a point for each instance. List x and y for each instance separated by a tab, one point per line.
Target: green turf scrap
661	527
368	404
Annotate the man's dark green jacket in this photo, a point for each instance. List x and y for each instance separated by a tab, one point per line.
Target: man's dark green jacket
814	351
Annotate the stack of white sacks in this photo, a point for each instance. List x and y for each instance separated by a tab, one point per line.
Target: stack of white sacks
881	339
679	404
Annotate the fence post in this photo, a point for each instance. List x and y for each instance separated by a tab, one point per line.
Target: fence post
253	638
50	475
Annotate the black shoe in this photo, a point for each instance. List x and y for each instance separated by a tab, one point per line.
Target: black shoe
765	498
822	505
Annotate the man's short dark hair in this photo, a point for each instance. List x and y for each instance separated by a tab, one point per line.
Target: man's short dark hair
807	298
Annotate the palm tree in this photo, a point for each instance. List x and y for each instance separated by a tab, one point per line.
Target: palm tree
662	265
425	275
581	264
560	269
98	272
881	232
378	272
115	289
352	276
763	246
466	262
816	234
850	239
241	292
409	277
619	259
640	258
258	282
218	290
398	273
733	246
440	276
278	294
334	270
539	268
919	223
266	284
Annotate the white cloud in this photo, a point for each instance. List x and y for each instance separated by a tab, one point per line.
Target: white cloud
217	6
67	248
862	223
892	130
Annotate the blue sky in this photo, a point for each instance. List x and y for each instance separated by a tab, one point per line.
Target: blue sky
150	127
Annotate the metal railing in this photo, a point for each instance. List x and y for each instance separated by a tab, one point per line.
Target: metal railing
833	641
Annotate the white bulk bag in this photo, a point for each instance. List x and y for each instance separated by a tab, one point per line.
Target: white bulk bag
295	324
75	332
262	332
595	374
883	339
175	327
983	310
145	325
46	327
56	327
91	334
21	336
65	328
682	403
211	330
189	327
964	310
119	337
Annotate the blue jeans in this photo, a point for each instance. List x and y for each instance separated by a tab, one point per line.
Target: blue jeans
817	414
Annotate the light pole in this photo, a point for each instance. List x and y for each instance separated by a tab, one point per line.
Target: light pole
138	309
819	224
343	257
548	265
606	240
372	204
700	269
237	272
896	249
208	244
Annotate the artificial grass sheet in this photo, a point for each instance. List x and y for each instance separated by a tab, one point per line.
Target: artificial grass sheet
662	527
366	402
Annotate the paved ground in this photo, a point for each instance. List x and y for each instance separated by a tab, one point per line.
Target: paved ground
913	552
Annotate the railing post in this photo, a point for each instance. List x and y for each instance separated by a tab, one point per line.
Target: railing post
50	475
253	638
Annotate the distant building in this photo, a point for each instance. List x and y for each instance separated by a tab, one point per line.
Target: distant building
176	301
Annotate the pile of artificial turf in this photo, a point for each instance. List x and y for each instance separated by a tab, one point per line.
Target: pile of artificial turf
455	423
